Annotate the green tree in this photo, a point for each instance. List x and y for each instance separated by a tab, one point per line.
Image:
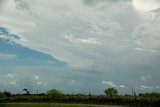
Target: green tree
53	93
2	95
111	92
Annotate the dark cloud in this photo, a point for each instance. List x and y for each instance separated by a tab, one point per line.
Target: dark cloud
22	5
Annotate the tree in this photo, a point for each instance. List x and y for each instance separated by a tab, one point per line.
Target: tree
53	93
2	95
26	90
7	94
111	92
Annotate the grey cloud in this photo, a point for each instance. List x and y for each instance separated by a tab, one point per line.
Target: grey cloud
22	5
115	59
94	2
2	2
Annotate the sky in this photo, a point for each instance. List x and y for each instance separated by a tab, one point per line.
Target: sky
80	46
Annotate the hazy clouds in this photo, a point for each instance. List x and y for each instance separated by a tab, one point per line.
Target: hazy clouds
112	38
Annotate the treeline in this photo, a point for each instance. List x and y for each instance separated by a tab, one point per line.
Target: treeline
151	95
111	97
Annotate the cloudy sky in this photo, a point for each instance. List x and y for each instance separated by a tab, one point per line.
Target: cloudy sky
80	45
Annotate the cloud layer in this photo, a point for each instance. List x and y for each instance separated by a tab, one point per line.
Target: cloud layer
116	38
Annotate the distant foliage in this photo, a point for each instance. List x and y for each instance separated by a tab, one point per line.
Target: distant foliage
157	95
26	90
2	95
111	92
53	93
7	94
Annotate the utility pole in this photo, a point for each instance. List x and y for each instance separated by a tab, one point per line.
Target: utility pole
37	91
132	91
135	95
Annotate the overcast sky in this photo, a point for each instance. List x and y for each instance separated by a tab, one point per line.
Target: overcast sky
80	45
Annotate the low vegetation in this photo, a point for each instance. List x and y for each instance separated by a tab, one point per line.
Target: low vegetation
111	97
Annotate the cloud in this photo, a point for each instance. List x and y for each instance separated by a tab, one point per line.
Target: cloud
22	5
143	78
6	56
148	88
11	76
89	41
95	2
113	84
14	83
143	87
145	50
41	83
93	37
146	5
36	77
2	2
91	20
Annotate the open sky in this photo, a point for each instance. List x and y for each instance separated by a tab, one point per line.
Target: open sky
80	46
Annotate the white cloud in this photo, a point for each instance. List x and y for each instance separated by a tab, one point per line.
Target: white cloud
144	87
145	50
83	36
146	5
157	87
113	84
73	81
6	56
109	83
67	18
11	76
89	41
122	86
19	21
36	77
145	77
149	88
41	83
139	49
